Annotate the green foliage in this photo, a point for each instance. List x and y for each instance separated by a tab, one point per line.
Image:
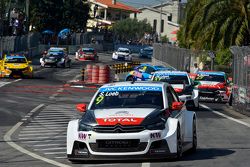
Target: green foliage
58	14
131	29
223	57
164	39
215	24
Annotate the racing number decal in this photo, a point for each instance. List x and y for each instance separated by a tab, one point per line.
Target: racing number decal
99	99
144	68
199	77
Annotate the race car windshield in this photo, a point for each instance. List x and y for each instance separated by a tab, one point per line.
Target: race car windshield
15	60
55	55
88	51
128	99
123	50
173	79
215	78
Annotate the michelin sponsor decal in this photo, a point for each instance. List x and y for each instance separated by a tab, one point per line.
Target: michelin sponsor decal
131	88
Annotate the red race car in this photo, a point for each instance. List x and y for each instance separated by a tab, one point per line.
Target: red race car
86	54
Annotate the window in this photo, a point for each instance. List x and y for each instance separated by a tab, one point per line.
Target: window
154	24
162	26
170	17
149	70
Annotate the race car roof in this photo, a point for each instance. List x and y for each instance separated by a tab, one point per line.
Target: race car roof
180	73
15	57
121	49
211	73
136	83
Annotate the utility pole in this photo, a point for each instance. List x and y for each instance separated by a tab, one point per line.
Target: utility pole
160	22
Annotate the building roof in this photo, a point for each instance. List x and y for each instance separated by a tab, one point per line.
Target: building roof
153	9
117	5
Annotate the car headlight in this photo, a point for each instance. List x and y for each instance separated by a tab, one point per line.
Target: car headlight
156	126
84	127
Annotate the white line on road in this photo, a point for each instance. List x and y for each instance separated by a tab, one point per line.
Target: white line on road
51	153
8	140
49	144
42	137
60	157
40	131
43	141
49	149
41	134
226	116
43	128
48	123
145	164
51	120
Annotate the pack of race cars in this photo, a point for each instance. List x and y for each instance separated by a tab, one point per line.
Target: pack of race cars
150	116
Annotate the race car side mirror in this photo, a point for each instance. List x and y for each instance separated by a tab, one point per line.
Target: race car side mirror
177	105
196	83
29	62
81	107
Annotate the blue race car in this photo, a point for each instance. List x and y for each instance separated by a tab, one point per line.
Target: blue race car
144	72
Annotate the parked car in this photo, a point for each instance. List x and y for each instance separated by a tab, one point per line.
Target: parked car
183	86
86	54
144	72
122	54
15	65
212	86
146	52
132	120
56	57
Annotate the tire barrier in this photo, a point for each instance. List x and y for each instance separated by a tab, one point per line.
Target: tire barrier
101	74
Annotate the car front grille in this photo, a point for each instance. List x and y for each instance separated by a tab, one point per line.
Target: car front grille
118	129
118	145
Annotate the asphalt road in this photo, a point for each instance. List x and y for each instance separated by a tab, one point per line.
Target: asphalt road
35	113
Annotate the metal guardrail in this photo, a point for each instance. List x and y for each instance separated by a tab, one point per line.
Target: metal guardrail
241	78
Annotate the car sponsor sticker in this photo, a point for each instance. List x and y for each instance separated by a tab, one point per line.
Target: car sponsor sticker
119	120
82	136
156	135
131	88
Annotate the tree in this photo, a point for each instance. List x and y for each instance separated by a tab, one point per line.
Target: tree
215	24
58	14
131	29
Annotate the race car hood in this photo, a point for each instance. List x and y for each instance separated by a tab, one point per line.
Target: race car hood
123	116
16	65
210	84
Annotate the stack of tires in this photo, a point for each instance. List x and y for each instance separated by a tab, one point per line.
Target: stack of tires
97	74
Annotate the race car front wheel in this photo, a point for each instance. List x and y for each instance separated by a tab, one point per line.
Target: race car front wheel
179	144
130	78
194	143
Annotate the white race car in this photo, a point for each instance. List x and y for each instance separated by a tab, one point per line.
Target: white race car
183	86
122	54
132	120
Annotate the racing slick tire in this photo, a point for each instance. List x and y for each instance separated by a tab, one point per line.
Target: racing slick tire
178	143
194	142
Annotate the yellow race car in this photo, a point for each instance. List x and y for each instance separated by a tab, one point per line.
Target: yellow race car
14	66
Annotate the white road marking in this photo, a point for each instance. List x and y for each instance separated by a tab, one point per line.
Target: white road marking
52	118
226	116
145	164
44	126
40	131
8	140
47	145
43	141
42	137
41	134
60	157
51	153
49	149
49	123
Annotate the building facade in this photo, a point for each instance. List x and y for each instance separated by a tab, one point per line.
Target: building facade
107	12
164	17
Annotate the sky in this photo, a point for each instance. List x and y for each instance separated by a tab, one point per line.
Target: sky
141	3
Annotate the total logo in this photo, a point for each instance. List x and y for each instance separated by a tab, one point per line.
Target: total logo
122	121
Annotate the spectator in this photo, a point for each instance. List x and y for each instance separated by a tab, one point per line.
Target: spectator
196	69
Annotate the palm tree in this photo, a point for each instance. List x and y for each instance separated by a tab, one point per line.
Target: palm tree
216	24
